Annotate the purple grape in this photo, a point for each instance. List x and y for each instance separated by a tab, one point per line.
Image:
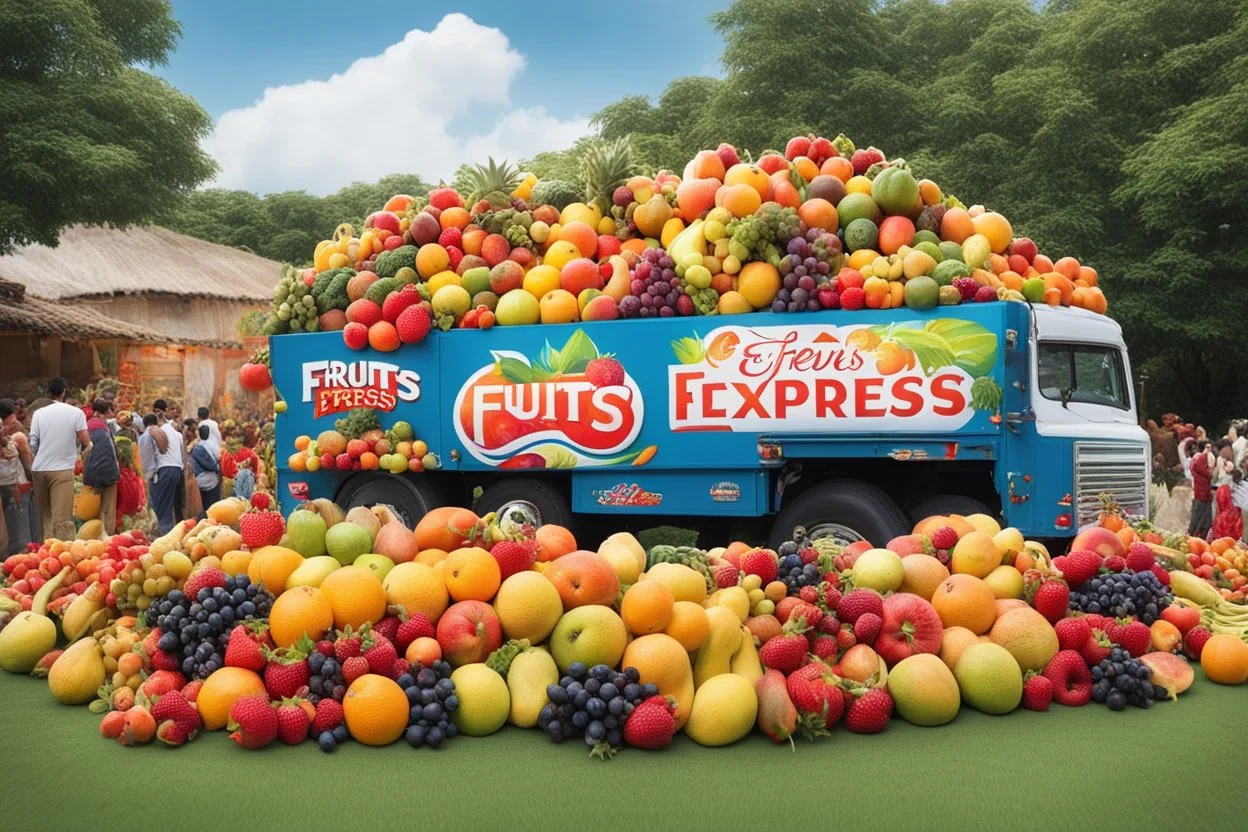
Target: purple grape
655	289
800	271
674	282
778	305
791	281
794	306
672	297
810	263
637	286
806	282
784	295
666	262
647	300
630	305
823	268
800	296
646	312
667	312
786	266
669	274
795	245
813	305
813	234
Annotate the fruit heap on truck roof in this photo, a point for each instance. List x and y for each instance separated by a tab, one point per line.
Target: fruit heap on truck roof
824	225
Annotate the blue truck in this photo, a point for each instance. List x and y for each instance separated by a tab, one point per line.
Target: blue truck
849	424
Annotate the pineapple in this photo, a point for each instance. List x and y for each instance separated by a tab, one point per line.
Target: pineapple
492	185
606	166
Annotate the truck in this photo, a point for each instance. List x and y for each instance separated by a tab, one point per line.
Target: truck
848	424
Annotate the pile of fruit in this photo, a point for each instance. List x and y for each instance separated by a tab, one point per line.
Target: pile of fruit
330	625
823	225
358	442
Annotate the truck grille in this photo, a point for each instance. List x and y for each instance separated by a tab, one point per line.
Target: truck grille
1119	469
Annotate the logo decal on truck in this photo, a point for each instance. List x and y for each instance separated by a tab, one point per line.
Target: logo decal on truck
906	376
554	410
627	494
337	386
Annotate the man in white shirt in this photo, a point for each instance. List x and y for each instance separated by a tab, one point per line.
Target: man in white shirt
169	478
214	430
56	432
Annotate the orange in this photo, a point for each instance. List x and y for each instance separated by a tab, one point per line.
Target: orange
819	213
355	595
954	642
224	686
1225	659
375	710
689	624
302	442
922	575
471	574
997	229
454	217
929	191
300	611
974	554
759	283
431	556
806	167
417	587
647	607
742	200
965	601
840	167
431	258
424	651
744	173
297	462
383	337
273	566
582	236
956	225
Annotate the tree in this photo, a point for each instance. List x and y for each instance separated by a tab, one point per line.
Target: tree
88	137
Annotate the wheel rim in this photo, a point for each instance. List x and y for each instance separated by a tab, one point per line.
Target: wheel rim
843	535
520	512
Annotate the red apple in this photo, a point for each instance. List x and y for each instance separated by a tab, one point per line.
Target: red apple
1102	541
797	146
727	155
1025	247
821	149
911	626
769	163
1185	618
908	544
468	632
384	219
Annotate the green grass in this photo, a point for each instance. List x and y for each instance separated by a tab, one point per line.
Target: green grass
1178	764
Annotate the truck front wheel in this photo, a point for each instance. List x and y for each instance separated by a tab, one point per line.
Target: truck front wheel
846	510
408	499
526	500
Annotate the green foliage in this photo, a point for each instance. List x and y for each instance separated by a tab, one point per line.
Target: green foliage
666	536
89	137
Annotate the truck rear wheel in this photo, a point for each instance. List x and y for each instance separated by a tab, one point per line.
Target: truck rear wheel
948	504
527	500
408	498
846	510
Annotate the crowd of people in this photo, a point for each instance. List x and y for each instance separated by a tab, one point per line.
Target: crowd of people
1206	479
43	451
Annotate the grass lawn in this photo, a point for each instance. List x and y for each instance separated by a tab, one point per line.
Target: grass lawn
1176	765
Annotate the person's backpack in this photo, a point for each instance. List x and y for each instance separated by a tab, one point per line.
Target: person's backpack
101	468
203	461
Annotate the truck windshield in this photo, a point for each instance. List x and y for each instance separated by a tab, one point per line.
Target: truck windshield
1086	373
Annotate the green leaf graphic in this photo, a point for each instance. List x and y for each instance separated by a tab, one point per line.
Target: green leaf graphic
974	347
689	350
556	456
930	349
573	358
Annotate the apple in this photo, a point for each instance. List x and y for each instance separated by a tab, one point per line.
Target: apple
911	625
1102	541
312	571
379	565
592	634
727	154
517	308
601	308
608	244
1185	618
1025	248
506	276
384	219
469	631
907	544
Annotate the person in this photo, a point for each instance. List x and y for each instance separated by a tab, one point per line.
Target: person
1229	522
169	477
207	469
101	470
1187	449
20	415
214	430
176	454
15	459
1239	442
1223	464
1202	495
244	480
1239	496
152	441
56	432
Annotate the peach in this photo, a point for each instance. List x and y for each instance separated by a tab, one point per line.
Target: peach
506	276
740	200
495	249
906	544
1099	540
752	175
585	297
708	165
558	307
695	196
770	163
583	578
580	274
581	235
601	308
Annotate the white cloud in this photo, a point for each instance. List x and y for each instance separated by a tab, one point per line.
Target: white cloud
390	113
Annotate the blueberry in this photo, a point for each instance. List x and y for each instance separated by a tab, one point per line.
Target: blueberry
316	685
580	719
416	736
414	712
577	670
581	699
435	737
238	596
340	733
450	729
326	741
331	667
1116	700
632	691
615	738
608	692
596	707
649	689
555	731
450	703
431	711
593	685
427	677
168	642
610	721
246	609
444	687
616	706
566	681
573	689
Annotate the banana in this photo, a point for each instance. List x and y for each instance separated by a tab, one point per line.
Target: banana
691	240
1187	585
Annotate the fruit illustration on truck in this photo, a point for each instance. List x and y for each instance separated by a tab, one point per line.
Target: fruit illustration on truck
821	338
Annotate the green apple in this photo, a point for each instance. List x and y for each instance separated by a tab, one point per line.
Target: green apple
379	565
312	571
592	634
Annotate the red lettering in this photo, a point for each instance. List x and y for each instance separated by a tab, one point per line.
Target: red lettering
750	400
904	392
867	391
829	398
945	389
709	410
684	397
790	394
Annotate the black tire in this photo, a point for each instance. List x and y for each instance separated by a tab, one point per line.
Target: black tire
550	504
948	504
411	498
861	509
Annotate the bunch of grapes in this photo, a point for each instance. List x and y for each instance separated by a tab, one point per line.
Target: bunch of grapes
1121	594
808	265
795	570
293	308
655	290
325	678
199	630
431	695
593	703
1121	680
759	235
149	577
696	274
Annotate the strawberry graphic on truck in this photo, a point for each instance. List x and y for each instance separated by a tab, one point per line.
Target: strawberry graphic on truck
566	407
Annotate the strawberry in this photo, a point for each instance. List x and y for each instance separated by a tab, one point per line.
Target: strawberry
1140	558
261	500
451	237
191	689
1096	621
944	538
1194	641
328	716
725	575
1135	638
162	682
870	712
853	298
164	660
292	722
397	301
243	650
1071	679
514	556
413	324
1072	633
867	627
808	613
845	638
761	562
401	666
253	722
831	597
825	647
787	651
1095	648
858	602
287	670
1115	563
1162	575
349	643
149	643
380	656
355	335
388	627
1051	600
416	626
985	294
815	691
829	624
325	647
604	372
177	721
651	724
1037	692
207	576
1079	566
353	668
261	528
809	594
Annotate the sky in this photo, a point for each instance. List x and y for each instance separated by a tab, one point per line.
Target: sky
312	95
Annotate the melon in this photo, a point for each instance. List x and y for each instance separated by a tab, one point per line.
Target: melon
857	206
922	292
861	233
895	191
947	270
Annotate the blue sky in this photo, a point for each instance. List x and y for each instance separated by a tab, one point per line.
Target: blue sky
560	61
